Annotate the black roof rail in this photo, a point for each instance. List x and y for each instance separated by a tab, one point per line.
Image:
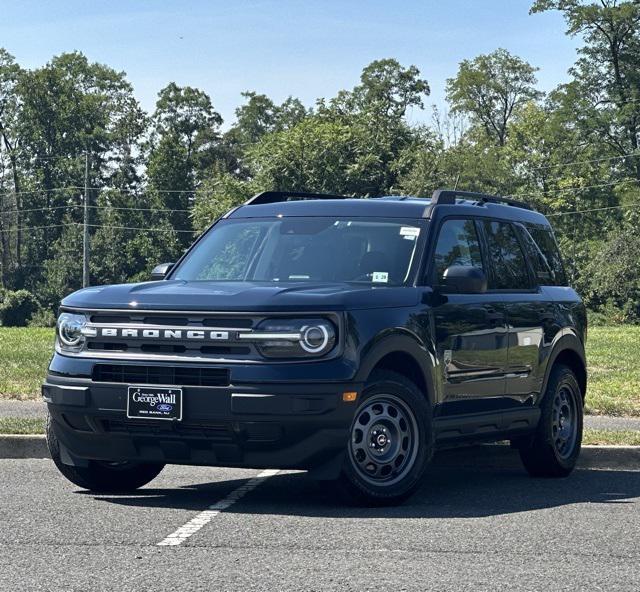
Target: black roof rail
268	197
448	197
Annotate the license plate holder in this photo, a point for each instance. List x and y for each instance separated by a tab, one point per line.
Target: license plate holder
154	402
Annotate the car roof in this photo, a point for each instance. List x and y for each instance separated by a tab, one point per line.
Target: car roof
392	206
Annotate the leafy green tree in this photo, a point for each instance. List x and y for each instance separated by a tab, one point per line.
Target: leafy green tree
491	88
605	91
217	195
10	237
183	146
68	107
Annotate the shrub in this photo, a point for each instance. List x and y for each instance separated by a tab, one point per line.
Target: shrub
17	308
43	317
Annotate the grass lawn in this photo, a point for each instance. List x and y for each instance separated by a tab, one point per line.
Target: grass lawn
613	357
24	356
21	425
613	354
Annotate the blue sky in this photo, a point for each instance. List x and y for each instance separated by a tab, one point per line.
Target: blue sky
304	48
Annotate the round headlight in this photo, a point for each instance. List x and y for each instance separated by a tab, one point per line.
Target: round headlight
70	329
293	338
314	338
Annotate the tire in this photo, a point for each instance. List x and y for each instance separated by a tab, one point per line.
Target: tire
102	476
554	449
390	442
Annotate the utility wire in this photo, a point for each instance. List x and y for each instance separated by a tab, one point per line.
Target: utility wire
137	228
592	210
563	164
28	228
565	189
40	209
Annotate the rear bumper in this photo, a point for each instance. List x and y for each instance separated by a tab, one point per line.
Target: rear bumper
288	426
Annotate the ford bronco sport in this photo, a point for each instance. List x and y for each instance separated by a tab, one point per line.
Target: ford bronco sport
348	337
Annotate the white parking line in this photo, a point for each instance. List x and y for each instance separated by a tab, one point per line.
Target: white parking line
203	518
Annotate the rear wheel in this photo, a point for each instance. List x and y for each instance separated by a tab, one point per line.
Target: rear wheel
555	447
390	442
103	476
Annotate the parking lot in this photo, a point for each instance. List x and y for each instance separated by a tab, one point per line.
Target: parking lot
468	528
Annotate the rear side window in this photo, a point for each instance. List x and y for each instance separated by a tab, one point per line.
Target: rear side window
457	244
506	256
549	271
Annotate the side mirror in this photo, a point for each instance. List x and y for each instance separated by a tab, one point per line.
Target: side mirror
160	271
464	279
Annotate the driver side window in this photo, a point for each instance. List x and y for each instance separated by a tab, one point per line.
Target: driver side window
457	244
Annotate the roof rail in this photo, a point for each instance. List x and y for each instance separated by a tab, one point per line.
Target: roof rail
448	197
268	197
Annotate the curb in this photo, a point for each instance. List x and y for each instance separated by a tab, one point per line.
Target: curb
484	456
18	446
626	458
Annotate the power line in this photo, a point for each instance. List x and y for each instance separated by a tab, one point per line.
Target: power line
562	164
40	209
103	207
106	189
565	189
108	207
593	210
138	228
27	228
52	190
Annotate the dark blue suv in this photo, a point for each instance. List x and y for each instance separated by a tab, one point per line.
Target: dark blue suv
349	337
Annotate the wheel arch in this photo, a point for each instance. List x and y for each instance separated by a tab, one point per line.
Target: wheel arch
570	352
404	355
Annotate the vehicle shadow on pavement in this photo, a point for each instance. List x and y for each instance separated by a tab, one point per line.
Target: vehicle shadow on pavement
448	491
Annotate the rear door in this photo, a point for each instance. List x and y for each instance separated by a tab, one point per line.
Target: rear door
470	329
530	310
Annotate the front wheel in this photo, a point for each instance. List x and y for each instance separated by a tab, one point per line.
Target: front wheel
390	442
555	447
103	476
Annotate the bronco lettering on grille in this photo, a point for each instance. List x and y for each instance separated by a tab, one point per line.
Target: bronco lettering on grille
164	334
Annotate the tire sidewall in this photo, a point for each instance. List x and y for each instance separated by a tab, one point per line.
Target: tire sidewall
562	377
389	383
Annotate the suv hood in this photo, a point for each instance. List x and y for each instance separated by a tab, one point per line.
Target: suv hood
240	296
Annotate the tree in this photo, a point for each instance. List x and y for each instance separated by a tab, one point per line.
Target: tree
9	223
605	90
186	134
216	196
491	88
375	113
67	107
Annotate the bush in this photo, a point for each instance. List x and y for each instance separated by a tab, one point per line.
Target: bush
17	308
43	317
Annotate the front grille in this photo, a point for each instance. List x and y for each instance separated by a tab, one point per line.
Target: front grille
176	375
218	432
140	347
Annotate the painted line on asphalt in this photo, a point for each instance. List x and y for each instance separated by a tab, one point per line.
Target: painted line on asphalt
203	518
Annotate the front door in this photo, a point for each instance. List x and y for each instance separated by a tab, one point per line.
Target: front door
470	330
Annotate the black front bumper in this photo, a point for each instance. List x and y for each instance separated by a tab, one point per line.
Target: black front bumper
287	425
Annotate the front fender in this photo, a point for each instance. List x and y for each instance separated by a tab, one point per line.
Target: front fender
399	341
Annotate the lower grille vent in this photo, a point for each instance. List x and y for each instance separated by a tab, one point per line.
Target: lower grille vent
176	375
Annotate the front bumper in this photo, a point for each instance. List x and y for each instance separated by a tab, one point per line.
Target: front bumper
286	425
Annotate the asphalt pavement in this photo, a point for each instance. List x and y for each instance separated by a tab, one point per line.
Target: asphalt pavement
466	529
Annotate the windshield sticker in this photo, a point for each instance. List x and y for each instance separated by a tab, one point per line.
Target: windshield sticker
409	232
380	276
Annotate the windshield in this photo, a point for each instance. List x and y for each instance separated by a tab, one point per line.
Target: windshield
377	252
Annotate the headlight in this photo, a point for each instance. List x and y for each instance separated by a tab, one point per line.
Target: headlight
71	331
293	338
